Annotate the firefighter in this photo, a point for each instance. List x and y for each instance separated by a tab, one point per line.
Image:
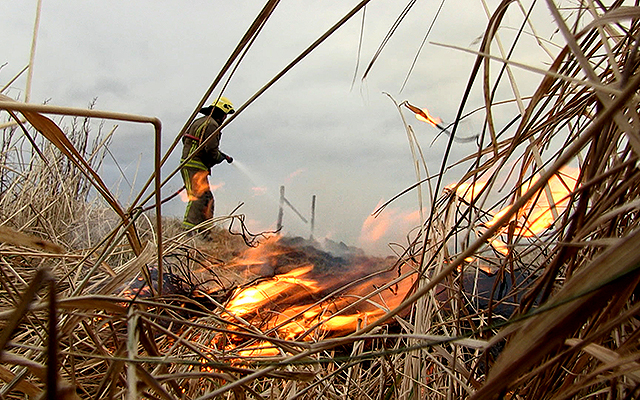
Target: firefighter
196	171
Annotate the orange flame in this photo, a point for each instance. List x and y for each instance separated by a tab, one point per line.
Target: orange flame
290	304
199	185
260	349
252	298
424	116
537	215
374	228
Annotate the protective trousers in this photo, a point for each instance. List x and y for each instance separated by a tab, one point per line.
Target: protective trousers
200	207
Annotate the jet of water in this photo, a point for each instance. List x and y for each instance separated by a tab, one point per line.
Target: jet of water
269	196
240	166
253	178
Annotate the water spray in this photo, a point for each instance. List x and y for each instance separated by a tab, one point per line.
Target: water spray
240	166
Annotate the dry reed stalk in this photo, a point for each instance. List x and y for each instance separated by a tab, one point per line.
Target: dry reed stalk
574	332
610	157
603	197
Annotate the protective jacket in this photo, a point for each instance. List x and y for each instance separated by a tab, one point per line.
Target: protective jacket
195	172
197	133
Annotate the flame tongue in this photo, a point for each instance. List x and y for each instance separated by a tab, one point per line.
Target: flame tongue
287	286
199	185
422	114
536	216
426	117
310	292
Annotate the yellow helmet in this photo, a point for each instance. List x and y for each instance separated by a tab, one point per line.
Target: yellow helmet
224	104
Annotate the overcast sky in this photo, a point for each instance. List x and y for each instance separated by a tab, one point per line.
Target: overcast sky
313	131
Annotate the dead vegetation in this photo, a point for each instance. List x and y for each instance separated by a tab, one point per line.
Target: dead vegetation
558	320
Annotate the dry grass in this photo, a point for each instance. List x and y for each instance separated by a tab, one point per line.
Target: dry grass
559	319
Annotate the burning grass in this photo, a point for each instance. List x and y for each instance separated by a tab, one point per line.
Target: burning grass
522	282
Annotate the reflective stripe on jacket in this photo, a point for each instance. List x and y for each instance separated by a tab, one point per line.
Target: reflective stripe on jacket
201	129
